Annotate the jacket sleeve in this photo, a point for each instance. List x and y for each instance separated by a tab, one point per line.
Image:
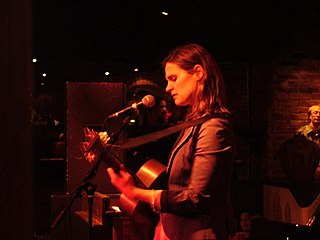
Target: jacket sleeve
210	172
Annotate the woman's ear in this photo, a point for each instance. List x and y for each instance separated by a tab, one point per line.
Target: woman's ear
198	72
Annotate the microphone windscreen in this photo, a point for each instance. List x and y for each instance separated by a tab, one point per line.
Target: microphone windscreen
148	101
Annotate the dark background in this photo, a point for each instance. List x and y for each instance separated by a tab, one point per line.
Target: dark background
74	40
135	33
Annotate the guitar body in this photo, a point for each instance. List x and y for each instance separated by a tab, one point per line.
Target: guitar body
151	175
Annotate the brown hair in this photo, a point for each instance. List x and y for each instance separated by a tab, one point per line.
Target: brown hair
209	96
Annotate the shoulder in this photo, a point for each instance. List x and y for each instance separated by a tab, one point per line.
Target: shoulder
304	129
217	124
217	121
216	133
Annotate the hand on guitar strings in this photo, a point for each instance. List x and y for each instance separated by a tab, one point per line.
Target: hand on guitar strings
122	180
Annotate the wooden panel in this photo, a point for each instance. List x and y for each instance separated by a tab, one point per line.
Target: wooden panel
88	104
280	205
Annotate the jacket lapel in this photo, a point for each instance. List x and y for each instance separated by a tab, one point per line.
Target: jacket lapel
183	137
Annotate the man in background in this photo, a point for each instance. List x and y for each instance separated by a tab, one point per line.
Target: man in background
312	130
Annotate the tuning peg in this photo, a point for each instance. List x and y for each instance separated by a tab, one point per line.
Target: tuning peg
89	134
90	156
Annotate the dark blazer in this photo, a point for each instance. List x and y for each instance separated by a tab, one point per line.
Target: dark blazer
197	203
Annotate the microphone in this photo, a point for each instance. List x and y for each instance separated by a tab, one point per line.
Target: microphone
148	101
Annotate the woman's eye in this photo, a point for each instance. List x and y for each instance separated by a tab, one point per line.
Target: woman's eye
172	78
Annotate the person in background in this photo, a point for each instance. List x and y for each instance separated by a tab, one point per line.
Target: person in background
43	111
163	111
311	131
245	223
244	232
196	203
159	114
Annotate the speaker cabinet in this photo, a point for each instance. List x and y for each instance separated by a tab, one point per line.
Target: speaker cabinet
88	105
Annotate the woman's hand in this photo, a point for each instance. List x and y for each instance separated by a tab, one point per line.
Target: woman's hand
122	180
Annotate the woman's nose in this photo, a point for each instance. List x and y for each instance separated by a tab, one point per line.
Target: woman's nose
169	87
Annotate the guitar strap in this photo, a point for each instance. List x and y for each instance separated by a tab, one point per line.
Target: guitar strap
151	137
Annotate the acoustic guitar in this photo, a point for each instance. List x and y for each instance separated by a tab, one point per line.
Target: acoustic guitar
151	175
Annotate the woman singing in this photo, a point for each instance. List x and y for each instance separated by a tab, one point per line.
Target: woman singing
196	203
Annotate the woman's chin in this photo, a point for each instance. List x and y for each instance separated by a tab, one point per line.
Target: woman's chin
180	104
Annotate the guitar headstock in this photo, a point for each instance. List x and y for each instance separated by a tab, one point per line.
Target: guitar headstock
94	141
96	147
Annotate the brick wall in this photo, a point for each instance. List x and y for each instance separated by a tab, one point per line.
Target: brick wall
281	94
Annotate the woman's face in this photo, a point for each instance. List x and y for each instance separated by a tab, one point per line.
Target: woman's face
180	84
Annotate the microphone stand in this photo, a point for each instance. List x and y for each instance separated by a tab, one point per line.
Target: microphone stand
87	186
77	193
90	193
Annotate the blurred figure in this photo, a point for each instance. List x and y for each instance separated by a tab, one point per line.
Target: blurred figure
311	131
245	224
245	227
163	110
154	118
161	113
43	111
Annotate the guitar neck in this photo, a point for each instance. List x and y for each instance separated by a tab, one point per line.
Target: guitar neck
107	156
